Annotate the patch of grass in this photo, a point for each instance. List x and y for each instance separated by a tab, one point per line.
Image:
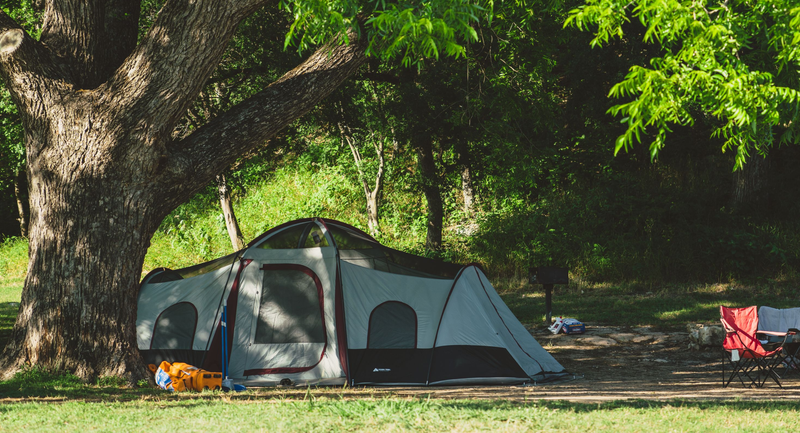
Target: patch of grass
393	414
13	266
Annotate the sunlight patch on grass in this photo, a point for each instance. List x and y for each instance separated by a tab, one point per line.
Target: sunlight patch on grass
13	267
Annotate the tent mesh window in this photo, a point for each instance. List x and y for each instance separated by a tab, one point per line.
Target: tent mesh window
359	250
175	327
290	310
306	235
392	325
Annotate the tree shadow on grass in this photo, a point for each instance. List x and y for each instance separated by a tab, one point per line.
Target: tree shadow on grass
8	315
36	383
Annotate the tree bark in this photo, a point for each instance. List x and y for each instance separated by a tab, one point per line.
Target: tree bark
430	187
372	194
231	224
467	190
21	194
103	168
750	184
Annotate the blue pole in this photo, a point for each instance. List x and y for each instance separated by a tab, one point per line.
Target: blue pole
225	341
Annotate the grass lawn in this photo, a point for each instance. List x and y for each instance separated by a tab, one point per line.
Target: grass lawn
327	413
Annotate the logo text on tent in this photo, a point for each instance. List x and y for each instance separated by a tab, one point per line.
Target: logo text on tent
381	370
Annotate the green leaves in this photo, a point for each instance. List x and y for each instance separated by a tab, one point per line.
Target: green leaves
738	61
412	31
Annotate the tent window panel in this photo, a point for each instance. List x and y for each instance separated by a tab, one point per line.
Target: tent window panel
175	327
286	239
392	325
307	235
291	308
315	238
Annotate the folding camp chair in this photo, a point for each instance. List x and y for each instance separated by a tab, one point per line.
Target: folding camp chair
782	321
744	352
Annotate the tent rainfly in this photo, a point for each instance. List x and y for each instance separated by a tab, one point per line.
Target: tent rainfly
318	301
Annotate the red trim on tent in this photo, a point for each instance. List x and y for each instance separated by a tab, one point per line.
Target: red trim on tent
232	305
282	370
213	360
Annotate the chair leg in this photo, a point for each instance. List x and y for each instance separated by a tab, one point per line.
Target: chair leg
767	368
744	367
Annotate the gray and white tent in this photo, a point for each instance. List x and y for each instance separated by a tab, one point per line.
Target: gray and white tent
320	302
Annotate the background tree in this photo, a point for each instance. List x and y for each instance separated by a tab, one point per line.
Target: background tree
358	116
737	61
13	179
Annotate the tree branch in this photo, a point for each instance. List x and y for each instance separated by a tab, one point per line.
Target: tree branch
29	71
194	161
91	37
189	37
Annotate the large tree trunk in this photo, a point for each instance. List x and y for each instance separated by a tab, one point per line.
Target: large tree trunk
88	238
21	194
103	170
430	187
231	224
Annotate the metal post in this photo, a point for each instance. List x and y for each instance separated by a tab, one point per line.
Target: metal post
548	303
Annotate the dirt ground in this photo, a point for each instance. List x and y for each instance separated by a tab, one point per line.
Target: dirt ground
623	364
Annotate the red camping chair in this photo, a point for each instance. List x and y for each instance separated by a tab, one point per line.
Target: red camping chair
747	357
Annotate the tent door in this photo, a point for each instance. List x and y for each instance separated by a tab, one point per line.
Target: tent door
287	331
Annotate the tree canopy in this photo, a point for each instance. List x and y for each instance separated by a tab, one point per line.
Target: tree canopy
737	61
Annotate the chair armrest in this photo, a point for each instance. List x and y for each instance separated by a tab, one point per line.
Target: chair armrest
777	334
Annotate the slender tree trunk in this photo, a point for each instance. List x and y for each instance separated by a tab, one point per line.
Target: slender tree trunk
430	187
372	213
21	194
467	191
235	234
372	194
750	184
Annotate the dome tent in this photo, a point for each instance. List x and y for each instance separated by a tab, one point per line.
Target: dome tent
317	301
